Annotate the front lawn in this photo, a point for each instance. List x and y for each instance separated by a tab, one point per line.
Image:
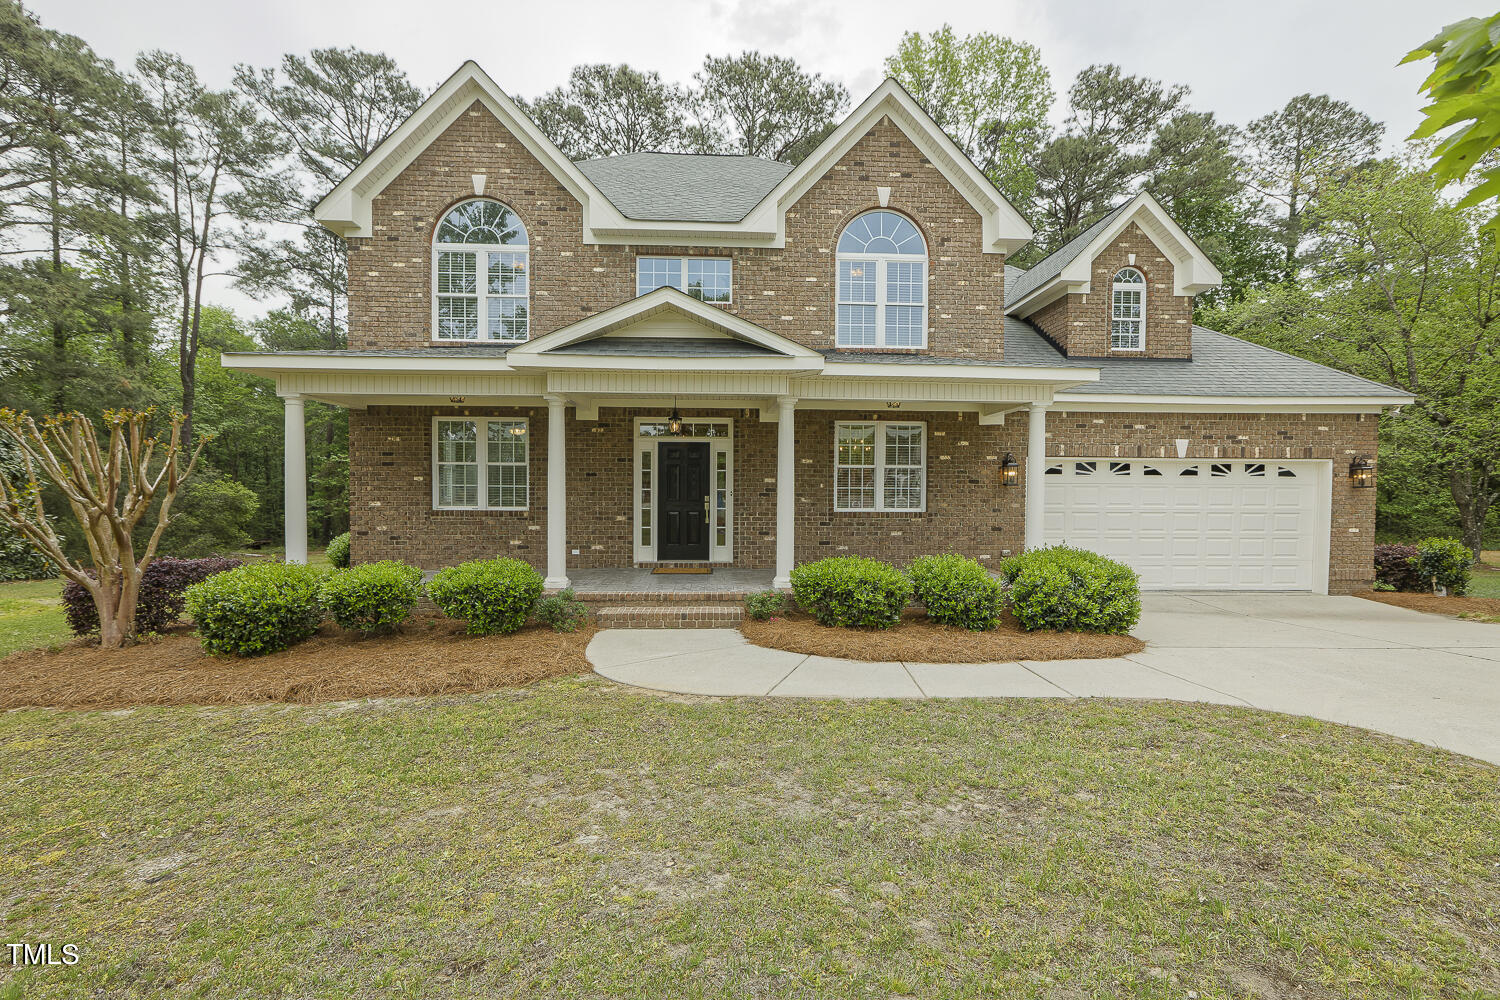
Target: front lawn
575	839
31	615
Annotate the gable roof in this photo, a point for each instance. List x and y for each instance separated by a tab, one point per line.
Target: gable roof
651	211
1221	365
684	186
1069	268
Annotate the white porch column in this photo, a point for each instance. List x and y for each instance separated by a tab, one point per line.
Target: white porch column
295	474
786	490
557	493
1036	474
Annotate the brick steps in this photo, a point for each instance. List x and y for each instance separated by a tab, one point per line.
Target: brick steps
669	615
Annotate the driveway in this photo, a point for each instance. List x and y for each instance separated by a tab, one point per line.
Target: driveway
1343	659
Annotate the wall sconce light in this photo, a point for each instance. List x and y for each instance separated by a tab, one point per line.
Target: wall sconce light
1361	473
1010	470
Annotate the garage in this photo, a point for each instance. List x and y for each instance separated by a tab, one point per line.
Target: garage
1197	525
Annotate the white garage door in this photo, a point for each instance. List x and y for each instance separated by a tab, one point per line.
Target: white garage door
1185	525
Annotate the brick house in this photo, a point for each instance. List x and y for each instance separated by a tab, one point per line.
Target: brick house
662	358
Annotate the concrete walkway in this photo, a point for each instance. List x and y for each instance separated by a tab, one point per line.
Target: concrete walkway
1343	659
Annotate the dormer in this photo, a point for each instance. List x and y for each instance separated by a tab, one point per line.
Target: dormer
1124	287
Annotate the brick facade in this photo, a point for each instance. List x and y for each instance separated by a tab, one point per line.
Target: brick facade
1079	324
790	291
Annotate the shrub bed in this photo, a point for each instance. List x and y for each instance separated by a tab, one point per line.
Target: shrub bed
851	592
159	605
1396	566
1065	589
490	596
256	609
374	598
957	590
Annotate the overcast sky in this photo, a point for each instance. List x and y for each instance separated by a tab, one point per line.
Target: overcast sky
1240	60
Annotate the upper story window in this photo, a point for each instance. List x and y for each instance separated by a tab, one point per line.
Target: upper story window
882	283
706	278
1127	311
480	261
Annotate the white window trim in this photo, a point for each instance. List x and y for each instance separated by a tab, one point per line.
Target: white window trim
482	454
1128	286
684	262
481	252
879	467
880	260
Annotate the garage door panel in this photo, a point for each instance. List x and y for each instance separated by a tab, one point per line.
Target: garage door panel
1226	525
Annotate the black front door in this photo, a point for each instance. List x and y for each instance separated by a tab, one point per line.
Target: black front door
682	500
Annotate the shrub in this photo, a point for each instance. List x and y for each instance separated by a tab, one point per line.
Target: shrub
256	609
338	551
766	604
562	612
957	590
1066	589
159	604
373	598
1396	566
1445	562
851	592
488	595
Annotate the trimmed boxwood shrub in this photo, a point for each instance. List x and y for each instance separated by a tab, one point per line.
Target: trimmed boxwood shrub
562	612
765	604
851	592
488	595
159	605
1072	590
1445	562
373	598
957	590
338	551
256	609
1396	566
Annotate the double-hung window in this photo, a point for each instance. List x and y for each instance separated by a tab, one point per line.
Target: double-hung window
880	465
707	278
480	274
480	463
1127	311
882	283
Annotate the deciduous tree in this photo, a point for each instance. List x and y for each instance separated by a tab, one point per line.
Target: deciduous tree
768	105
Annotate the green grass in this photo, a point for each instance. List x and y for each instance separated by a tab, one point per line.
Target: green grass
574	839
1485	583
31	615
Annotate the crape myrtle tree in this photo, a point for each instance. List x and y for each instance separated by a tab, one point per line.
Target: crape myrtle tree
110	486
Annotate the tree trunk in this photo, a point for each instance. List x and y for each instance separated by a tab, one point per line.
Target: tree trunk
1473	503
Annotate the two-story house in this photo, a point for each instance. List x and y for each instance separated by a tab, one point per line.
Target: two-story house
670	359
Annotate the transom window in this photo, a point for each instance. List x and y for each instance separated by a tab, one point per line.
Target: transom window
706	278
882	283
480	464
480	266
880	465
1127	316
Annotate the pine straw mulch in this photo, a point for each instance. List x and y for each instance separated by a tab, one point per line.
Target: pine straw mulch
1484	609
429	656
917	640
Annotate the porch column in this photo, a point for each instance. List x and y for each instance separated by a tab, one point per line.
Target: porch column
557	493
1036	474
295	475
786	490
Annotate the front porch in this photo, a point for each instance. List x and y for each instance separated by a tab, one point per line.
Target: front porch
633	583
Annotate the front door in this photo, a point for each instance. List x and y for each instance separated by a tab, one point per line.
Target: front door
682	500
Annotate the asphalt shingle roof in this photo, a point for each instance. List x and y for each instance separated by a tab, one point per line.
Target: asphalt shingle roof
684	187
1051	265
1221	365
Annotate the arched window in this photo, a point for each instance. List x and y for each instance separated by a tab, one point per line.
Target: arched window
1127	315
479	267
882	283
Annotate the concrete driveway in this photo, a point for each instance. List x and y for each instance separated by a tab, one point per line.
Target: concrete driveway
1343	659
